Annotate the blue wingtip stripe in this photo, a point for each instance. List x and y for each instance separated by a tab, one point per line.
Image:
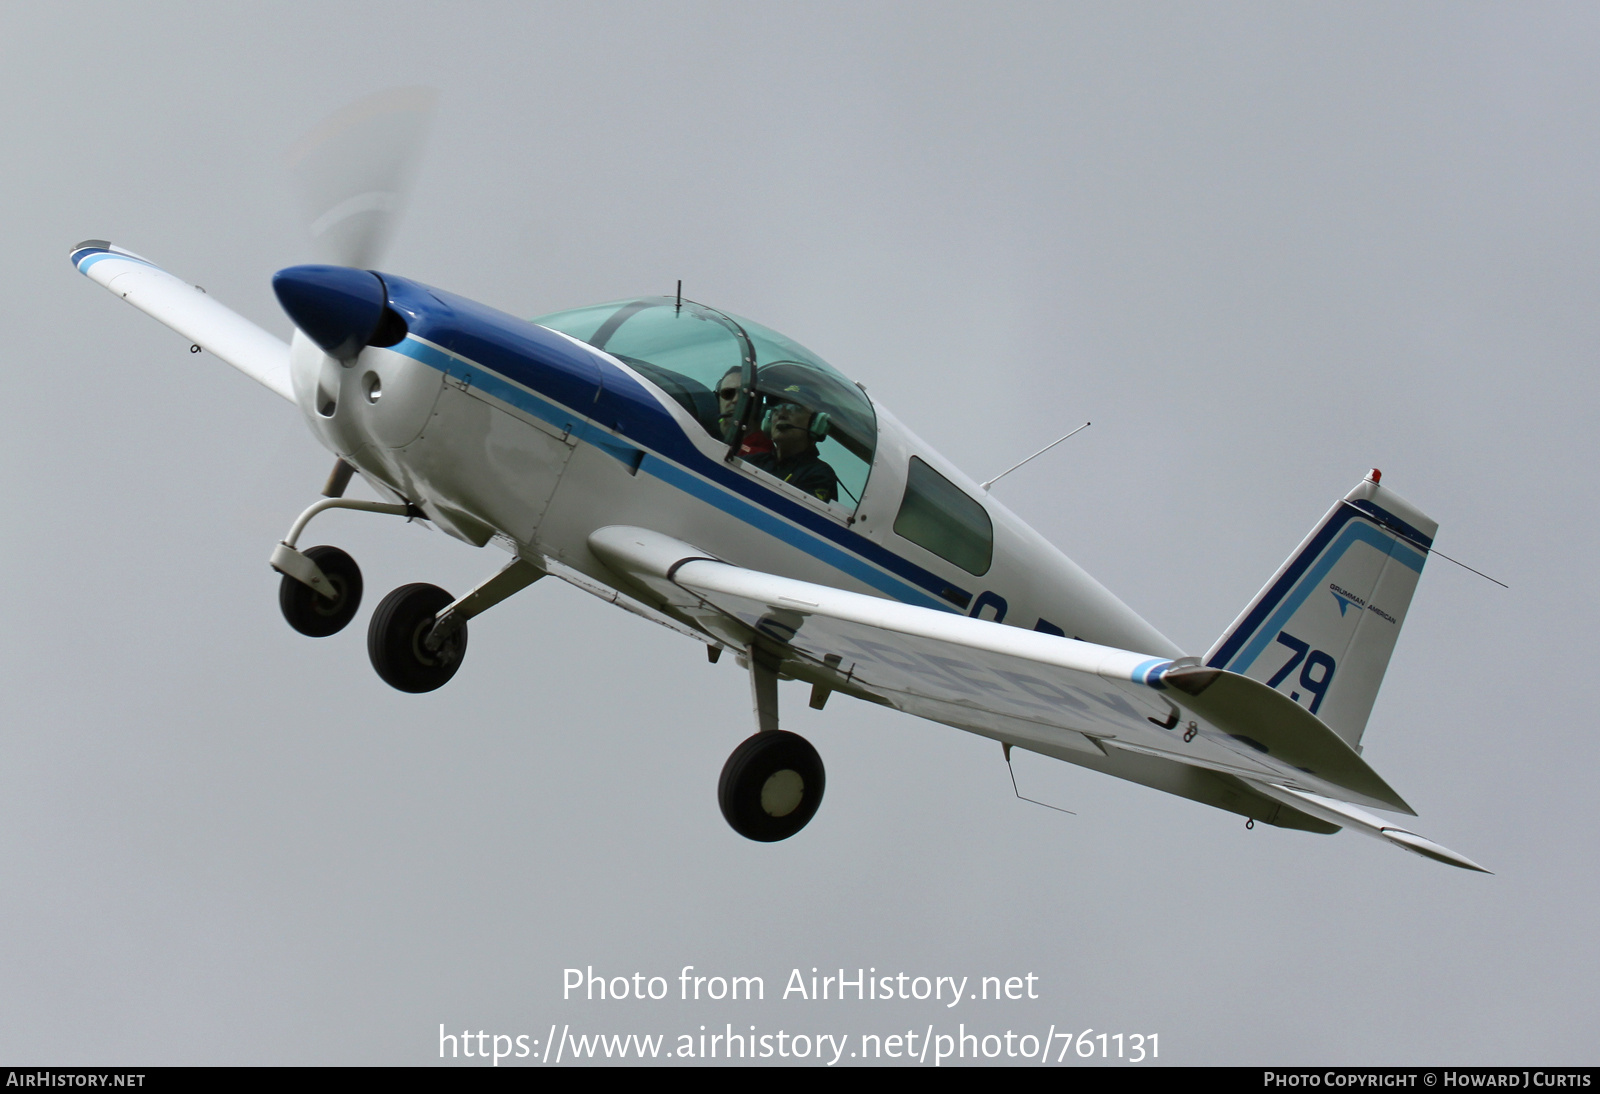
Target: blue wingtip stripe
1150	672
91	255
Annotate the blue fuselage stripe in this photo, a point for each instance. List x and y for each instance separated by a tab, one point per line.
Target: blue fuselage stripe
627	416
668	471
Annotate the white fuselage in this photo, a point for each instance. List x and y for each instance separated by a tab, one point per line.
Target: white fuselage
487	449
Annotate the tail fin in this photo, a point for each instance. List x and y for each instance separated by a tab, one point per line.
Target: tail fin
1322	630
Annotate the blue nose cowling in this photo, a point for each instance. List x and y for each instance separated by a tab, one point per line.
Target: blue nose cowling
338	307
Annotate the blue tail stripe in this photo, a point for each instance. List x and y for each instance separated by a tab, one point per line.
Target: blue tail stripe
1261	635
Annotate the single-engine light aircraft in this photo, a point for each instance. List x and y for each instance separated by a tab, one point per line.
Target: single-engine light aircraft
717	477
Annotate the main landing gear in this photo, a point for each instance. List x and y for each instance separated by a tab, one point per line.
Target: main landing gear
403	645
418	634
772	784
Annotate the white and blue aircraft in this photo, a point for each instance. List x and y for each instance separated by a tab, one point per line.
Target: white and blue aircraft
716	477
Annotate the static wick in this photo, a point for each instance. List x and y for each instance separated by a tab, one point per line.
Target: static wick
1035	456
1006	747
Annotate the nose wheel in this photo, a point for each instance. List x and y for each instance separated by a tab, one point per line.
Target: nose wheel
771	786
407	651
310	611
418	635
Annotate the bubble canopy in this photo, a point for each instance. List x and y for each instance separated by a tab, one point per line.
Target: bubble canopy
693	353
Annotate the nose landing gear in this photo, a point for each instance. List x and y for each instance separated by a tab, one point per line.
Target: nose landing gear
418	634
319	614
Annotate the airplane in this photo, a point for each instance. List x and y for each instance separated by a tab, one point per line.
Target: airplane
716	477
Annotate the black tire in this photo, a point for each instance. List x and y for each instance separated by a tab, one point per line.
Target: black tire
395	640
313	614
771	786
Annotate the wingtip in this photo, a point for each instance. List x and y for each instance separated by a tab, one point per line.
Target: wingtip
81	250
90	251
1428	849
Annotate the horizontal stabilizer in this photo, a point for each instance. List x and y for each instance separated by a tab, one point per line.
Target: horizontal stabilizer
189	311
1350	816
1263	719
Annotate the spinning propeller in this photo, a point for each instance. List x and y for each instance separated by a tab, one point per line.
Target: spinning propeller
354	174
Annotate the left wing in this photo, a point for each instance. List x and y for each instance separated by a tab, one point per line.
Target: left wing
1023	687
188	310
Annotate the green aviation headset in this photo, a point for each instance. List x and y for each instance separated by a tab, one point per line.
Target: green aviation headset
817	430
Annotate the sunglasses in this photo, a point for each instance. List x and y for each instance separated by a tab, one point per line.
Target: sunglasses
729	393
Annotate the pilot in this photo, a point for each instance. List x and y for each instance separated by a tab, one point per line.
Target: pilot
755	443
794	456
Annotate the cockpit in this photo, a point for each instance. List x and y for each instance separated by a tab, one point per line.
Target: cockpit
777	406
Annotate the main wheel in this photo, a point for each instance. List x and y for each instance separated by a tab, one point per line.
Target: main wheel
311	613
395	640
771	786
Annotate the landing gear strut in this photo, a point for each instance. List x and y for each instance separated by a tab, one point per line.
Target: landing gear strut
772	784
321	587
419	632
418	635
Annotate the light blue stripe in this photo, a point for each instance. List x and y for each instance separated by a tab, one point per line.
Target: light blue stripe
1145	669
763	521
1356	531
670	473
96	256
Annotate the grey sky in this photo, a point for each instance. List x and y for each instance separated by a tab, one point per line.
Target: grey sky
1263	247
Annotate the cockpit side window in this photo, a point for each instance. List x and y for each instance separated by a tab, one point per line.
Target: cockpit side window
936	515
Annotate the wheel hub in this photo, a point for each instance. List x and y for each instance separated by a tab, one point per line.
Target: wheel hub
782	793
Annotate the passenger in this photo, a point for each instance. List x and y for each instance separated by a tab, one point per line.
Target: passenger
755	443
794	457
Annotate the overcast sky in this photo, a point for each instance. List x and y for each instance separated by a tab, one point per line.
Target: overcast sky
1263	247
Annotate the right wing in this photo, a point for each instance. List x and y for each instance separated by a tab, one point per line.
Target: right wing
189	311
1027	688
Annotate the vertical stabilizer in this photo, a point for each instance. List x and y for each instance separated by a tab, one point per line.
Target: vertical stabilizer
1322	630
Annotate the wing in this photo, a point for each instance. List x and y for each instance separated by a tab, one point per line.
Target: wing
189	311
1043	692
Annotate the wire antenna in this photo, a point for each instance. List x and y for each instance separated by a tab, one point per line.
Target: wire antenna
1464	566
1035	456
1007	748
1425	549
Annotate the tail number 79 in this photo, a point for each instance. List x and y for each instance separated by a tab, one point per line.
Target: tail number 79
1309	661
